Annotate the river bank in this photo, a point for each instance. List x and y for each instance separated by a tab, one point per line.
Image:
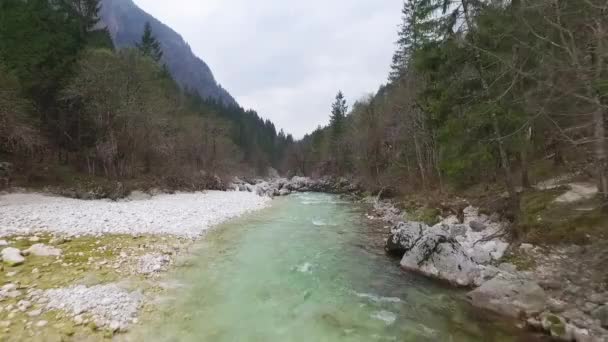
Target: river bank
75	268
118	250
560	290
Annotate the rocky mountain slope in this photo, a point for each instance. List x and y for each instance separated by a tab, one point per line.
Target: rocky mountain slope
125	21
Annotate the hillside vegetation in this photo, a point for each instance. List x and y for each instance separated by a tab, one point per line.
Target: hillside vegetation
74	107
485	99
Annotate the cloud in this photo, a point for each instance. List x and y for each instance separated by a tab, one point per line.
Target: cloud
287	59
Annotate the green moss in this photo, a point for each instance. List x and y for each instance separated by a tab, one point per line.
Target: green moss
430	216
542	221
73	267
521	261
553	319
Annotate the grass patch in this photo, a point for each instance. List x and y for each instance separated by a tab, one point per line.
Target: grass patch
521	261
85	260
543	221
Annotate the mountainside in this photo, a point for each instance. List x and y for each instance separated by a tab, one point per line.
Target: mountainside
125	21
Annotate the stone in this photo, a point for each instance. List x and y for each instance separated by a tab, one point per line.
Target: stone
589	307
34	239
550	284
556	305
435	254
510	296
13	294
601	314
9	287
23	305
556	326
477	226
3	243
457	230
403	237
114	326
526	247
12	256
534	324
598	298
43	250
508	267
41	324
35	313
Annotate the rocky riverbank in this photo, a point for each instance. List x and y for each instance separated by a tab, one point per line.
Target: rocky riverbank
74	267
555	294
84	269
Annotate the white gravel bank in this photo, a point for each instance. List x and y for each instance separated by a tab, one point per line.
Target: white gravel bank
183	214
107	305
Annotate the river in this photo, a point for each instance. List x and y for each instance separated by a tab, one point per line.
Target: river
307	269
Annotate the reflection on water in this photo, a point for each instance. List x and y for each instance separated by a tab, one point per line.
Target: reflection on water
281	275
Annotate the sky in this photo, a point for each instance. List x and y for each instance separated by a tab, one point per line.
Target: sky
287	59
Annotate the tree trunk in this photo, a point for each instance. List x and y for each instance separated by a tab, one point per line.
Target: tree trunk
599	117
600	152
525	177
420	161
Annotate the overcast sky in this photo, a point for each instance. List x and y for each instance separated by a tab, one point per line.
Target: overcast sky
287	59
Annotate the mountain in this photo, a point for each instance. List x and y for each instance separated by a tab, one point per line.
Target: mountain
125	21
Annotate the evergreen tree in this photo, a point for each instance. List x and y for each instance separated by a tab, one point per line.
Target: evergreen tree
149	45
413	33
86	12
39	42
338	114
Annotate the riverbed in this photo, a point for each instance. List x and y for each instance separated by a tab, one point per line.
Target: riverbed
303	270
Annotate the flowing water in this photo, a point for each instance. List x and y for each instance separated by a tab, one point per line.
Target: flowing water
303	270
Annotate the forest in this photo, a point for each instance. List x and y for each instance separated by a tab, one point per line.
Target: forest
73	106
498	94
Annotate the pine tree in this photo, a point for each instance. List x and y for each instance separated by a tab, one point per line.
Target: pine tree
149	45
85	11
413	33
338	114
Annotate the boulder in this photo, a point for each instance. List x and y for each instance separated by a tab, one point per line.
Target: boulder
477	226
435	254
509	295
404	237
12	256
42	250
601	314
556	326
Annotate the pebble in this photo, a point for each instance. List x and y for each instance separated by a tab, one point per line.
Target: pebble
35	313
41	324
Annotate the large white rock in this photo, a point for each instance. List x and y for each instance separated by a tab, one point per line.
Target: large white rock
12	256
42	250
436	254
404	237
509	295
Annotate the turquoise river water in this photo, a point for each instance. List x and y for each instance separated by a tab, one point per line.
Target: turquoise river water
309	269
